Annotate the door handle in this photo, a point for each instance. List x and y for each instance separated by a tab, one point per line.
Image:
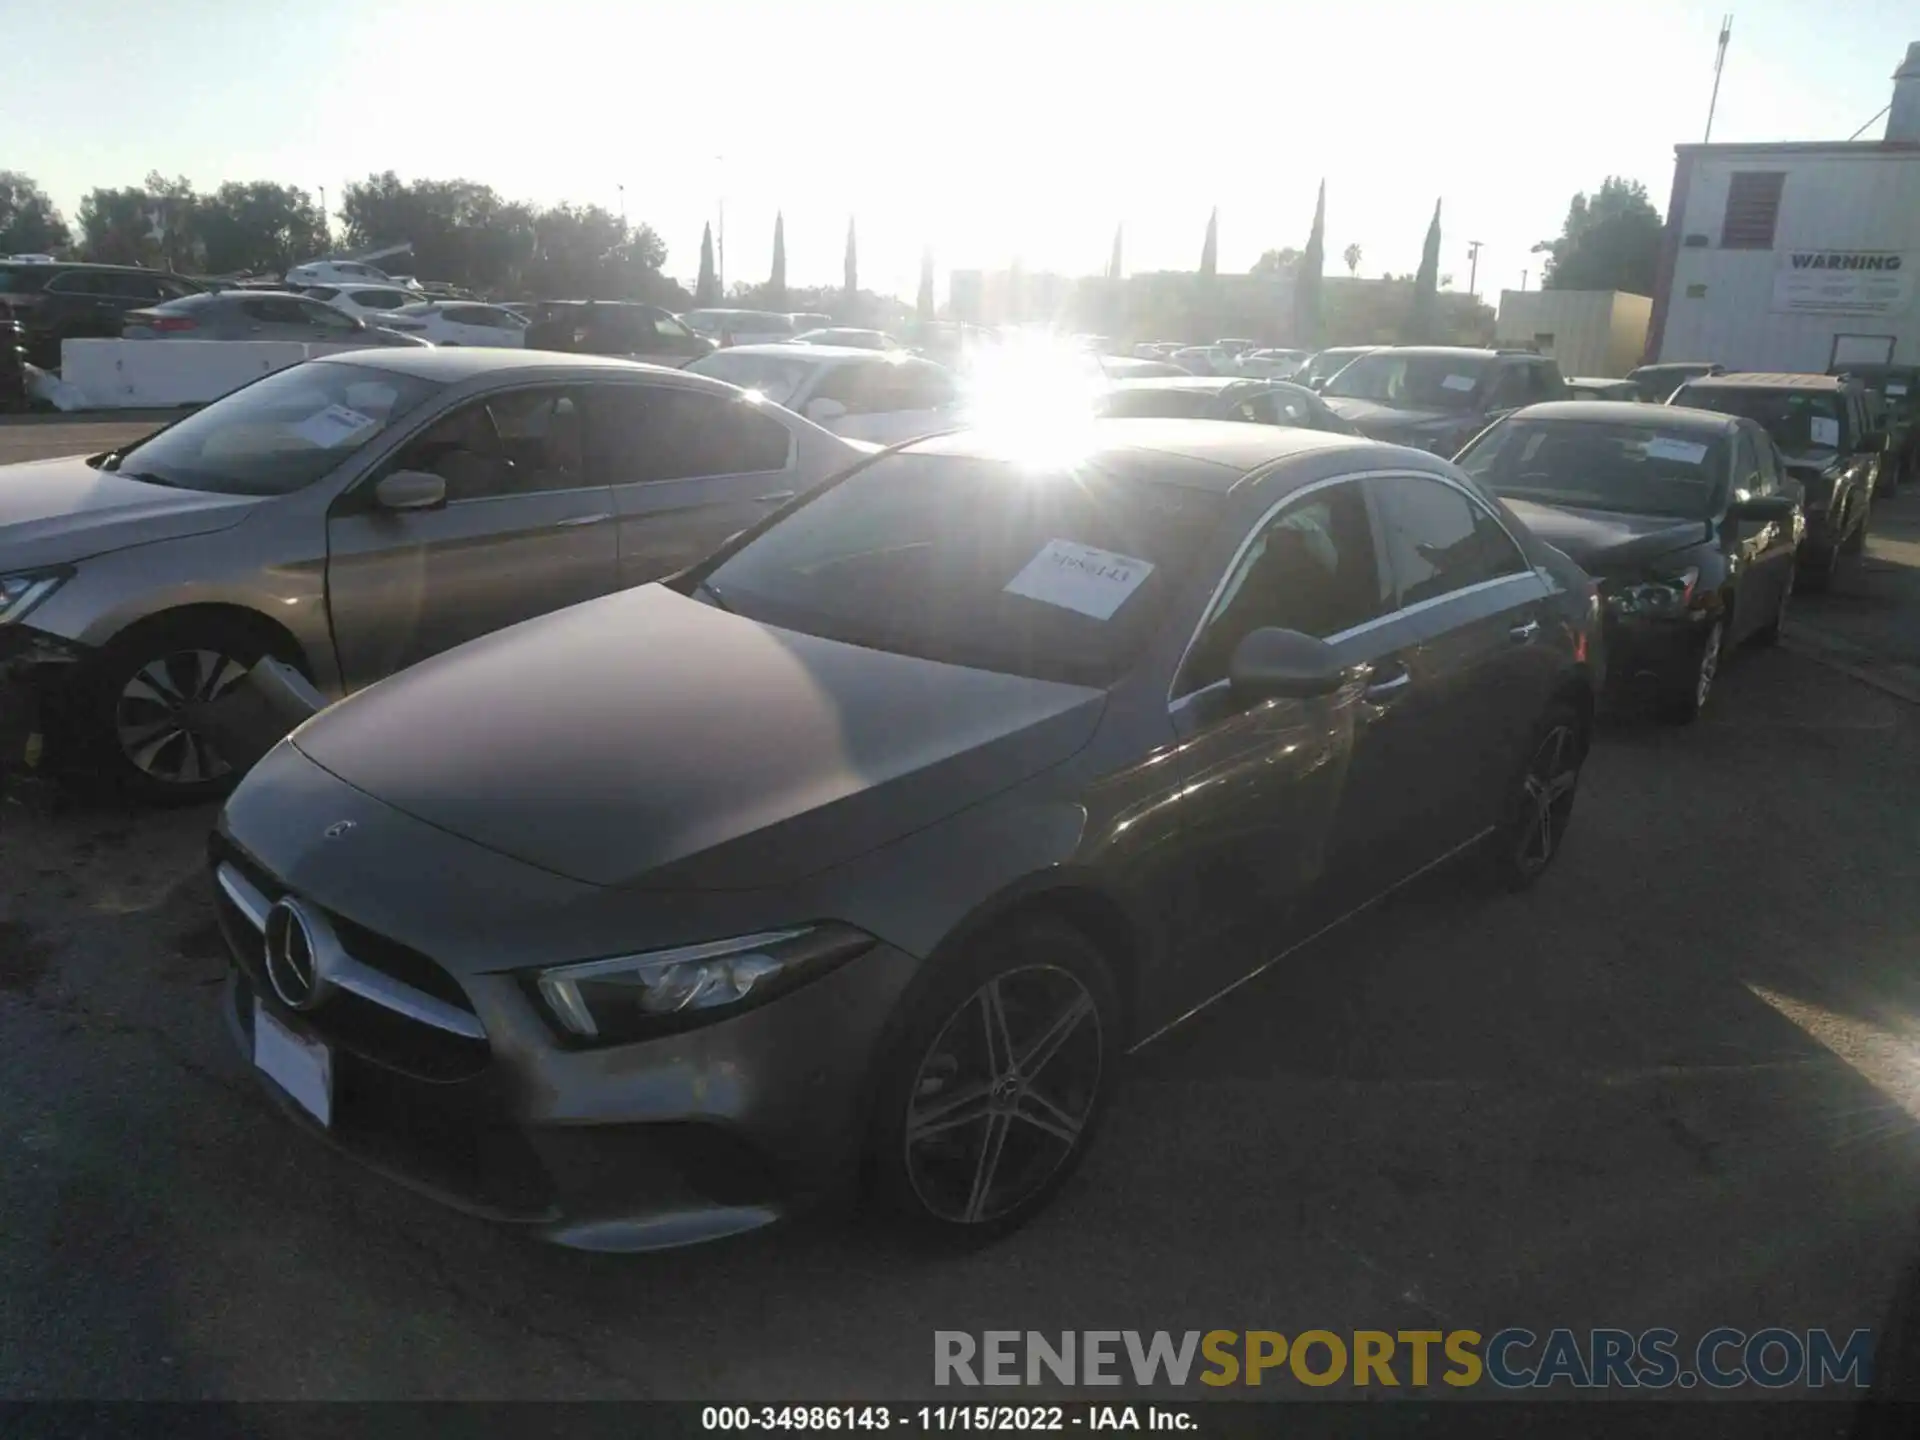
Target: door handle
1397	678
581	520
1521	634
778	497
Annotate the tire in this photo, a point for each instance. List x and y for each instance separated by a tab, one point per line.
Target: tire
1856	540
1769	633
1687	697
137	737
940	1154
1816	577
1539	802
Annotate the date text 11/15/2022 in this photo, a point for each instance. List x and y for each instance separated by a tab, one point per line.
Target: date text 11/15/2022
926	1419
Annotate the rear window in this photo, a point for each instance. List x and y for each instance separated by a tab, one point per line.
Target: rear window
1057	575
777	377
24	279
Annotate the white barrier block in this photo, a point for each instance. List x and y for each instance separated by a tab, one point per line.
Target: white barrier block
137	374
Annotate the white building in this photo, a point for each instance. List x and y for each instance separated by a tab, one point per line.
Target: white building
1588	332
1796	257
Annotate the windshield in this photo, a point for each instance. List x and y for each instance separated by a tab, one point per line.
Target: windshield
1056	574
279	434
777	377
1594	465
1328	363
1797	420
1411	382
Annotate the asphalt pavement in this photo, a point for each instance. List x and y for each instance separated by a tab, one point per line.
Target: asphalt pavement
1678	1084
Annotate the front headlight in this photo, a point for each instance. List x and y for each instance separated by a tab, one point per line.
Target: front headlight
1668	595
633	997
20	593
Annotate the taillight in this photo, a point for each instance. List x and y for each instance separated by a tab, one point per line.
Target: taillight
169	322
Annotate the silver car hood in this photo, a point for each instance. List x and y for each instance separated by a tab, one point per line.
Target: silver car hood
54	512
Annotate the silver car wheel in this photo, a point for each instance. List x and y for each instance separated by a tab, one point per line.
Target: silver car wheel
1547	797
156	715
1003	1094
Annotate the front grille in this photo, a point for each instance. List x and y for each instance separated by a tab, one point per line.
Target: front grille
353	1022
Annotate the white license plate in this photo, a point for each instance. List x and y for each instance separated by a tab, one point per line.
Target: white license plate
303	1068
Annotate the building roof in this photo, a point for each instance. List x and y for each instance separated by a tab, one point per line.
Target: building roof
1758	380
1193	454
1858	149
1674	419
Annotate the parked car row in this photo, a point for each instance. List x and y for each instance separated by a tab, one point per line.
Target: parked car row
724	810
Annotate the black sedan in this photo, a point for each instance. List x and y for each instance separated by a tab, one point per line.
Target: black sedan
1216	397
874	843
1685	517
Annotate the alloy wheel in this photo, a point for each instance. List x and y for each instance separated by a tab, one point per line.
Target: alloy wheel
1709	665
1547	798
1004	1094
156	718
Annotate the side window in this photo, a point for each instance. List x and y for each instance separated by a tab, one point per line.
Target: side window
518	443
1510	389
174	290
1279	407
661	432
668	328
277	310
921	387
1544	383
1312	568
322	317
1769	468
855	386
1746	463
1438	541
466	315
322	292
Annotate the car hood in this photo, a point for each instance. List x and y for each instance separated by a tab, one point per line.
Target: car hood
650	739
1600	540
54	512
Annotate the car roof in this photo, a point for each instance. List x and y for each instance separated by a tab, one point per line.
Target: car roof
1193	454
1672	418
1461	352
452	363
1597	380
1768	380
1674	365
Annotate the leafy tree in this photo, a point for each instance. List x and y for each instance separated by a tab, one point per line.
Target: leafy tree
1307	279
1276	262
923	303
1210	248
706	290
777	282
460	230
586	252
1352	256
258	227
29	223
1610	241
149	224
1423	315
852	281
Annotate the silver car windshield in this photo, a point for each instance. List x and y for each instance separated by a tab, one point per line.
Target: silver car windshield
279	434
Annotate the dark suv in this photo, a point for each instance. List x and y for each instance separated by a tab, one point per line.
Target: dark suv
1438	397
614	327
61	301
1896	388
1824	432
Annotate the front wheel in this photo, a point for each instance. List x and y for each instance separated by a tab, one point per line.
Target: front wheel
1540	804
1688	694
1769	634
990	1097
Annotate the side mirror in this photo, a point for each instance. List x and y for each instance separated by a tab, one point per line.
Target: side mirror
410	490
1271	664
824	411
1316	382
1762	509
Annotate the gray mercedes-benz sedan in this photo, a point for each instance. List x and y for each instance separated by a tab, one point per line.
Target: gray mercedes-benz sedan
870	845
353	515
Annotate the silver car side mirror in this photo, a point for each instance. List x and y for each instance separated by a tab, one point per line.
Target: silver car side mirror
410	490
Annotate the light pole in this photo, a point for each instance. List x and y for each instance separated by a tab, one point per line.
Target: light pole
1473	268
326	225
623	211
720	236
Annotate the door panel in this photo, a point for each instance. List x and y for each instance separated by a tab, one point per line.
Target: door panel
401	587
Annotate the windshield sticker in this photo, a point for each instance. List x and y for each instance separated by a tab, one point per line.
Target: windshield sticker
1687	452
335	426
1079	577
1826	431
1457	382
1895	388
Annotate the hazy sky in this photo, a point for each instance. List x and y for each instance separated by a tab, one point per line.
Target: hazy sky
988	130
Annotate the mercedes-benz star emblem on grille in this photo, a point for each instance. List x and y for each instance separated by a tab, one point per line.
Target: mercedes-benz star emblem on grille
293	956
337	829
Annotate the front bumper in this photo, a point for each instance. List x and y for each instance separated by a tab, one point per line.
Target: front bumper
1657	652
35	669
667	1142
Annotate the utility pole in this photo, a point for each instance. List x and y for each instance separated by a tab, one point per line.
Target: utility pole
1719	63
1523	278
1473	268
623	211
720	234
